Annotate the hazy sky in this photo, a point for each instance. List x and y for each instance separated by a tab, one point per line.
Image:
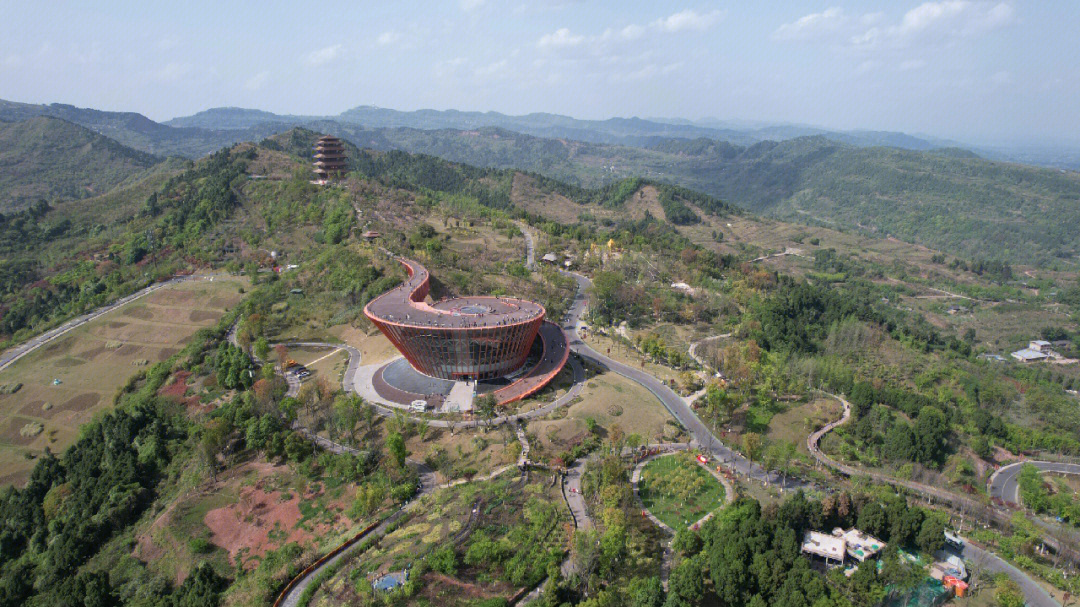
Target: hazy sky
976	71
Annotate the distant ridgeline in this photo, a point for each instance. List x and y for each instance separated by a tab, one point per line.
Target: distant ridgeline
946	198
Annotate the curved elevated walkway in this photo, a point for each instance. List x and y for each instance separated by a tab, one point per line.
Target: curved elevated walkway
556	353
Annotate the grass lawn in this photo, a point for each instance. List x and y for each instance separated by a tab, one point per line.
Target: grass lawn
800	419
678	491
611	401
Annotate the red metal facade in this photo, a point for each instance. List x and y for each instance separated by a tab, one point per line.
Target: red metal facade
457	345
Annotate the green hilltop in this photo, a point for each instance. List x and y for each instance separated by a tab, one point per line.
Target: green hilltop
51	159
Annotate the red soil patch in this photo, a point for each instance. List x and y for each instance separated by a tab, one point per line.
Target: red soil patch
248	523
177	387
147	550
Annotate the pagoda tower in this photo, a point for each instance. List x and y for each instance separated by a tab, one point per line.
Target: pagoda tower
330	161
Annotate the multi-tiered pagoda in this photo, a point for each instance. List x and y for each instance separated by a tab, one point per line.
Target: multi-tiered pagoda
330	161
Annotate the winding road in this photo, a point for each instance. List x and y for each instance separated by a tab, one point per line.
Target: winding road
675	404
1003	483
692	350
1034	594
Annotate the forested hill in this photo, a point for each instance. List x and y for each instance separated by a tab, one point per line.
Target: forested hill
490	181
51	159
948	199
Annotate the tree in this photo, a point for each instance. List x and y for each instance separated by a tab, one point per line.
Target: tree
686	542
297	448
752	444
770	458
718	400
211	441
263	390
931	430
931	536
874	519
395	446
1008	593
865	589
262	348
444	560
645	592
288	407
686	585
202	588
347	411
900	443
486	407
617	438
862	397
906	523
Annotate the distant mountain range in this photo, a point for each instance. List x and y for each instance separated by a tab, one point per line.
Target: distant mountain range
135	130
917	189
626	131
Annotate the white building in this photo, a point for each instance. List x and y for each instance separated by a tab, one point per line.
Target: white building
860	545
828	547
1029	355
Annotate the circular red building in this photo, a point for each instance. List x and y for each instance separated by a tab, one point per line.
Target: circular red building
462	338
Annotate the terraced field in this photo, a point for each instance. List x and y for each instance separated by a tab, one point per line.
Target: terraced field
65	382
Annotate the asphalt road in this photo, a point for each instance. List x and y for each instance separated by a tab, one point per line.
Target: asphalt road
530	248
1003	484
1034	595
674	403
976	556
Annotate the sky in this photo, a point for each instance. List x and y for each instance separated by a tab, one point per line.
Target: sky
974	71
